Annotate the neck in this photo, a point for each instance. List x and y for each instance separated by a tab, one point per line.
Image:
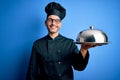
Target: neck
53	35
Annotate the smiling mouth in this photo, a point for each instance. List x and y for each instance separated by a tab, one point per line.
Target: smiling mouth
52	26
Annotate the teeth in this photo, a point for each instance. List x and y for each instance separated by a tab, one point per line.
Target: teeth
53	27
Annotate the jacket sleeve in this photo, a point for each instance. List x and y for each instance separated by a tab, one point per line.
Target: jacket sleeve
33	66
78	62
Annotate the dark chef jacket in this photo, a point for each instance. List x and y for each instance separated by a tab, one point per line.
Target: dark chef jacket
53	59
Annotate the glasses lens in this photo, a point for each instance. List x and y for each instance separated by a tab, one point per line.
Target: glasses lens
53	20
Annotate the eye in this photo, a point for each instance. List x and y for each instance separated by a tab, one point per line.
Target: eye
57	21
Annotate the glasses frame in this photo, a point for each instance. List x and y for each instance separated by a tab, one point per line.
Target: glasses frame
50	20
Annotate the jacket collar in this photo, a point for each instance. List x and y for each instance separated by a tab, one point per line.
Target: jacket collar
56	38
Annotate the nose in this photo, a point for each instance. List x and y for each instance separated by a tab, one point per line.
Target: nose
53	21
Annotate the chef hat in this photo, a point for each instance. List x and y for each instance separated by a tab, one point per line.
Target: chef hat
54	8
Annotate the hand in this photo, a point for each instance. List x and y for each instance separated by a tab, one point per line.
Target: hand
85	47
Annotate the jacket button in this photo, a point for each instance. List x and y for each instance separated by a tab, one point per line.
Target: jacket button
59	62
59	75
59	51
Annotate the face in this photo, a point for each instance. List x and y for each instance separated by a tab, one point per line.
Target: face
53	24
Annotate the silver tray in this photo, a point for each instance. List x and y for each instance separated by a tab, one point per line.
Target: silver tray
94	43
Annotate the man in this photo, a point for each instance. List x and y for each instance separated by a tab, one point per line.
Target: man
54	55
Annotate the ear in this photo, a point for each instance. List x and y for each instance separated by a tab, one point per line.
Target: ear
60	24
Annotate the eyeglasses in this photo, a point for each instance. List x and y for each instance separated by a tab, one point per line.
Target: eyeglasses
55	20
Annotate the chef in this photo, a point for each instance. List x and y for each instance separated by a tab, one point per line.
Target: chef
55	56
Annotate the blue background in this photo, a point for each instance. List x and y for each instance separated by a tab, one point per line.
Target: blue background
22	22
